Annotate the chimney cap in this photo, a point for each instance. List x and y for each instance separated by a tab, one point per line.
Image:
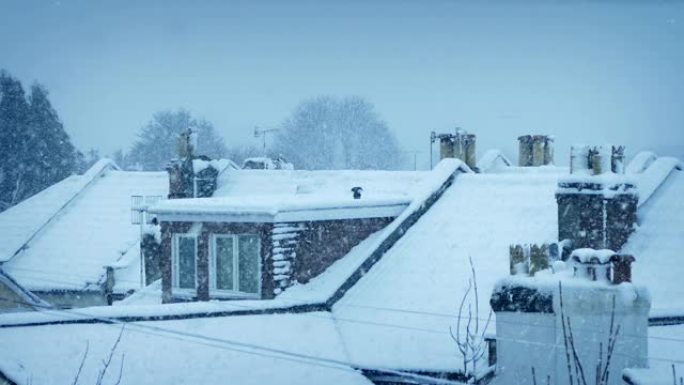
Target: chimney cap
592	256
357	191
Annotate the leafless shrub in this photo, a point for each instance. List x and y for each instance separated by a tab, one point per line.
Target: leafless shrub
574	364
471	342
106	363
674	377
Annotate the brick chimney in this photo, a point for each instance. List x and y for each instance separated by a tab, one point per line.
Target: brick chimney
190	176
596	202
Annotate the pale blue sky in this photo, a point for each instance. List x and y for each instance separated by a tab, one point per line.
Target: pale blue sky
587	71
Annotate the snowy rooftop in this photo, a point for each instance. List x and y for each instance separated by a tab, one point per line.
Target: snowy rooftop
417	285
657	245
17	298
199	351
72	230
398	314
279	208
294	195
665	349
334	184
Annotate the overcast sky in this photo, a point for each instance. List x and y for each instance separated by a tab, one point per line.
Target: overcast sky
591	72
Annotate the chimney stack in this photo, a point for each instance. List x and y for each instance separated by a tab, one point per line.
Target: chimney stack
551	321
596	202
191	176
535	150
460	145
597	160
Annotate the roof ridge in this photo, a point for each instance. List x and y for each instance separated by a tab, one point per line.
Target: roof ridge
657	172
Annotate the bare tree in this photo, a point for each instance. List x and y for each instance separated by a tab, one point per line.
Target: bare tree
469	337
337	133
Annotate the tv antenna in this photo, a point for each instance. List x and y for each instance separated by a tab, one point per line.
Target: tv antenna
262	132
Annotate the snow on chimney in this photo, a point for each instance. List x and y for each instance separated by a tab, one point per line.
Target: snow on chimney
596	202
597	160
190	175
574	314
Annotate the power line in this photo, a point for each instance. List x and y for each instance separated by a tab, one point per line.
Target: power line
107	320
415	312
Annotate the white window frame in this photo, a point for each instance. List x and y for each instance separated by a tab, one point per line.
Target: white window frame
213	291
175	276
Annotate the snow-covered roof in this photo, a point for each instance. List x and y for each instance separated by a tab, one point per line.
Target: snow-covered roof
18	298
493	160
334	184
278	348
20	223
650	171
657	244
279	208
306	347
418	283
298	195
399	313
316	291
665	349
72	230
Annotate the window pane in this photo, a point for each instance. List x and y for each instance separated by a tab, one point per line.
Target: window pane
248	268
186	262
224	263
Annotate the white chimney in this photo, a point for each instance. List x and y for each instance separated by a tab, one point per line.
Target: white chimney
544	322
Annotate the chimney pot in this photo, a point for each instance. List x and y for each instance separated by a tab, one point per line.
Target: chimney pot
622	268
579	158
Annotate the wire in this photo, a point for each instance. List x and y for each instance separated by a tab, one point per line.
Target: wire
388	309
115	321
415	312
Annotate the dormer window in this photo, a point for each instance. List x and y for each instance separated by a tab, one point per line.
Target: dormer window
235	265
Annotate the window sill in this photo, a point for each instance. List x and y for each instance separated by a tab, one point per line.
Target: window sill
232	295
184	294
191	295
